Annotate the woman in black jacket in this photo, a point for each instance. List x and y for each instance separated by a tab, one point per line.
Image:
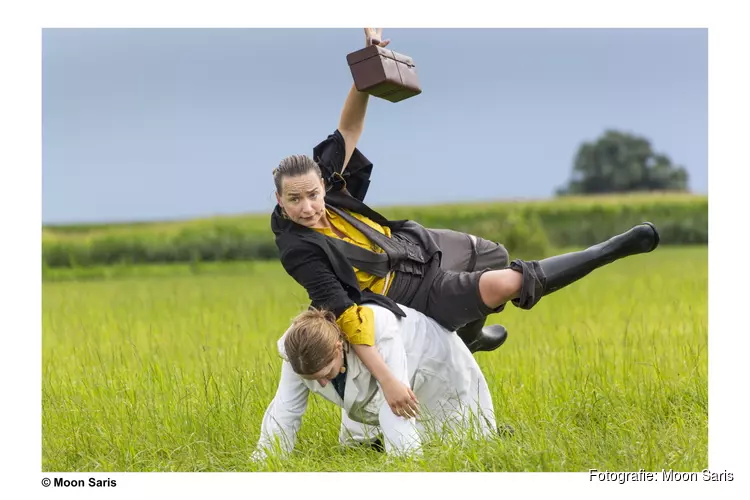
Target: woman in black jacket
345	254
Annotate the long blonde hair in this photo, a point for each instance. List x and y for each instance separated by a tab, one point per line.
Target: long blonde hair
310	343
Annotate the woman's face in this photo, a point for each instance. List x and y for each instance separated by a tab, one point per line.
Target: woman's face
303	198
330	371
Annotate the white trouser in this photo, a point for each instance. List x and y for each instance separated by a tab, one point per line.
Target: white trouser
403	434
352	433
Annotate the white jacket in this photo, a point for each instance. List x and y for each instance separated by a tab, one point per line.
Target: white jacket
433	361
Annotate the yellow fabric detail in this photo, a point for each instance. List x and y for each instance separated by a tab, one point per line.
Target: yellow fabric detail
355	236
358	325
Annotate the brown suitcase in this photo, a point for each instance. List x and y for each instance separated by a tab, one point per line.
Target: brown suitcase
383	73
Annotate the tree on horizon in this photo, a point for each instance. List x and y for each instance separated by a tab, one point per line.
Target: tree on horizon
620	162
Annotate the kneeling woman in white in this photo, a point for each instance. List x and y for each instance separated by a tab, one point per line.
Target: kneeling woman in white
433	361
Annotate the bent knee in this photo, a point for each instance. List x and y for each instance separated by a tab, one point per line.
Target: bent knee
498	287
491	255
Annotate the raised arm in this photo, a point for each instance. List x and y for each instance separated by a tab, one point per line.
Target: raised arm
352	121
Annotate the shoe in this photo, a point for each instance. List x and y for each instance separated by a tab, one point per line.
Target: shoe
489	338
505	430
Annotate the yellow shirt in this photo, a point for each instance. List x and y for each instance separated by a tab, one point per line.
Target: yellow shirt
357	321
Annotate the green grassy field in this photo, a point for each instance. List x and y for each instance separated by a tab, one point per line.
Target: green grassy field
173	373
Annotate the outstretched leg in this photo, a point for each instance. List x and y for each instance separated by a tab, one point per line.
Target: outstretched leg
526	282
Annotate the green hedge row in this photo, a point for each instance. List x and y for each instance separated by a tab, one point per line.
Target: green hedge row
579	221
528	229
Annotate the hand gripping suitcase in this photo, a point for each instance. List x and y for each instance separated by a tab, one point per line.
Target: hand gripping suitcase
384	73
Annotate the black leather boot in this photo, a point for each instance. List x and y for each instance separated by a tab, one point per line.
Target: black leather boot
562	270
478	337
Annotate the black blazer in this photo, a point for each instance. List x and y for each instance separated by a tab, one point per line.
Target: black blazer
309	257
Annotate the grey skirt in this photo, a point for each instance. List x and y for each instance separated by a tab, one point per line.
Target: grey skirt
447	287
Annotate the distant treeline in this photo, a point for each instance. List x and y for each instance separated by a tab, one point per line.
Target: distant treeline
528	229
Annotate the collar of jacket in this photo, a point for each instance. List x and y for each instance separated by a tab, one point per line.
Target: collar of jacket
353	372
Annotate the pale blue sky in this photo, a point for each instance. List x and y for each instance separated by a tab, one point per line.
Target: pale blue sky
142	124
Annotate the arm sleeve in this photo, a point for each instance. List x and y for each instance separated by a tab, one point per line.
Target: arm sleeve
329	155
309	267
283	417
358	325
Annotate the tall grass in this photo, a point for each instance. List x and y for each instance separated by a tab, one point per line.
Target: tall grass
174	374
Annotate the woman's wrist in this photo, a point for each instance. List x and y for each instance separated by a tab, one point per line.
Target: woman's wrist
388	380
